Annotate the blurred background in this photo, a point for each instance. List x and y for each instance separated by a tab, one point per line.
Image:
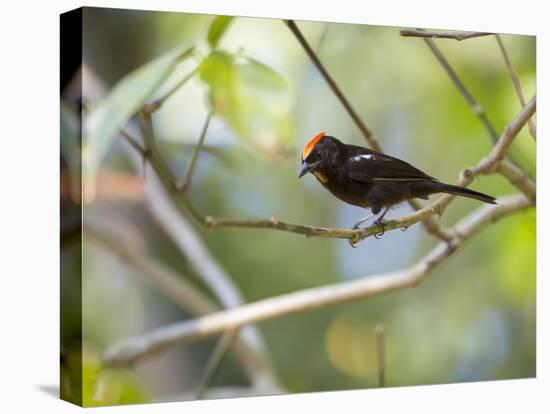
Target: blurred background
474	320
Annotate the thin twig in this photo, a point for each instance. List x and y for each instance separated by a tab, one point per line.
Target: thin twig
497	154
191	166
516	82
137	146
476	107
134	349
431	225
215	361
322	37
146	129
369	136
133	143
148	135
381	354
157	103
518	178
442	34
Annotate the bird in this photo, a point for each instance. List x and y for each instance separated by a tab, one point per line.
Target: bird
370	179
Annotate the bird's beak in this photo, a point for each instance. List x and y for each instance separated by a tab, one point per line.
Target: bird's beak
304	169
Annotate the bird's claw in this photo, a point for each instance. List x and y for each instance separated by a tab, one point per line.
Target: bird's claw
382	231
356	238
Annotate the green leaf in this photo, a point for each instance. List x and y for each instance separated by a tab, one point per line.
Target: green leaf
217	29
251	97
104	121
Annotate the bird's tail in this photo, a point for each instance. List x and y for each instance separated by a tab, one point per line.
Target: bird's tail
462	191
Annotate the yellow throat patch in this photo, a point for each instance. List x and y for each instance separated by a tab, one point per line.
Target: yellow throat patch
320	176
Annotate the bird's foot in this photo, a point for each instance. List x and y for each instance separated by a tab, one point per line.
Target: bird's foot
356	239
381	224
358	236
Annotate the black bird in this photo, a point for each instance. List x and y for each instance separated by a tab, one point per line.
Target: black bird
366	178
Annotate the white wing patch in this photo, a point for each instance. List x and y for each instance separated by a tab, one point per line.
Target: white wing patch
364	157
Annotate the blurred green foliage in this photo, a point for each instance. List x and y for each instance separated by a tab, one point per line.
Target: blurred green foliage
102	386
473	320
217	28
105	119
253	99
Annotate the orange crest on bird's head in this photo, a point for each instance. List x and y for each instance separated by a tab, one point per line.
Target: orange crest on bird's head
311	144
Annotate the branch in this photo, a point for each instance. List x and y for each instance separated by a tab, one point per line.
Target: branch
381	354
371	139
516	82
518	178
353	235
156	104
476	107
133	143
134	349
443	34
184	294
431	225
215	361
490	163
191	166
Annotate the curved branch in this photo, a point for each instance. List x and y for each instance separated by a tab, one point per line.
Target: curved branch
518	178
490	163
137	348
516	82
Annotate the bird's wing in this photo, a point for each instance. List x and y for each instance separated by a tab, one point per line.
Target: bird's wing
369	166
